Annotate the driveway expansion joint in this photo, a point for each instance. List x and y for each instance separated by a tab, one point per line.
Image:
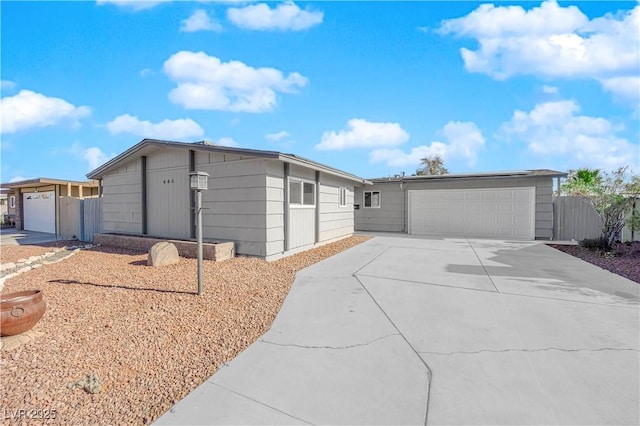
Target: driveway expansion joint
483	267
262	403
413	349
356	345
551	348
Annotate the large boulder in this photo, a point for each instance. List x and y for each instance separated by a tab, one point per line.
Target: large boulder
164	253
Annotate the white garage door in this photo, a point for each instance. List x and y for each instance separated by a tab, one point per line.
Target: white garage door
40	211
479	213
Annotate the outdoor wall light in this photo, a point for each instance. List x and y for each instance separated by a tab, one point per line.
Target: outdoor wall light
198	181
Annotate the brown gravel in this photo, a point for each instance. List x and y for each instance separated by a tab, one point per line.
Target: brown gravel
138	334
623	260
15	252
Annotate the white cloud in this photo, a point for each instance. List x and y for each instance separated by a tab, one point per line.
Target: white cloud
557	129
29	109
184	128
7	85
463	141
551	90
205	82
134	5
199	21
627	88
95	157
145	72
363	134
285	16
275	137
18	179
550	41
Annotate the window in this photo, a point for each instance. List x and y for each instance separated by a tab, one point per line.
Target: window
302	193
372	199
342	197
12	202
295	192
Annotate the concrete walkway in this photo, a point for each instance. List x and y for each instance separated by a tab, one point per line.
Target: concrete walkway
441	331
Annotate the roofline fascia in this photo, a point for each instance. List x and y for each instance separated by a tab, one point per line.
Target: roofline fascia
321	167
409	179
45	182
97	173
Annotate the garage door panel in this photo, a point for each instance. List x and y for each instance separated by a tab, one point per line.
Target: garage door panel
39	209
486	213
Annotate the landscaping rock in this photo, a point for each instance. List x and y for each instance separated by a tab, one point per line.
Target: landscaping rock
164	253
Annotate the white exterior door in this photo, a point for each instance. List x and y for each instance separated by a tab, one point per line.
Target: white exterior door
477	213
39	211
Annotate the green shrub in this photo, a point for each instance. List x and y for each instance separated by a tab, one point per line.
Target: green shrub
596	244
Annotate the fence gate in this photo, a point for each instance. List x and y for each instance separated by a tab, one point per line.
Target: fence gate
90	222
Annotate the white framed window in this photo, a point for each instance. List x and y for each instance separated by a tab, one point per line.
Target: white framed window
342	196
371	199
12	201
302	193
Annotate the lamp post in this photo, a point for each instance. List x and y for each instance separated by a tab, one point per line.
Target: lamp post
198	182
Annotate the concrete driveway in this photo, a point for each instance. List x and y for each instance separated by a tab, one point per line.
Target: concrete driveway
12	237
404	330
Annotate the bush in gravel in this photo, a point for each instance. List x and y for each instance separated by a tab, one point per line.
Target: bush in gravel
596	244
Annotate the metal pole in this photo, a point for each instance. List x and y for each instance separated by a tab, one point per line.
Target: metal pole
199	238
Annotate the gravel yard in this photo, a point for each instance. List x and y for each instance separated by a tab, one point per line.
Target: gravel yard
137	334
17	252
623	260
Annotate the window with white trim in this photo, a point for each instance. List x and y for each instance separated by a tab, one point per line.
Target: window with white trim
371	199
302	193
12	201
342	195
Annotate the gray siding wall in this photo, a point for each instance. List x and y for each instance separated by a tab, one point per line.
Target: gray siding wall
122	200
392	214
335	221
168	209
275	207
235	203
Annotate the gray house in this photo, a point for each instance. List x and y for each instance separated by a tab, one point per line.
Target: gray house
510	205
267	202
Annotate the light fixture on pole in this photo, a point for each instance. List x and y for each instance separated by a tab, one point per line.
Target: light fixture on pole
198	182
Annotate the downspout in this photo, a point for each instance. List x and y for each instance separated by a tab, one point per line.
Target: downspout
100	195
404	207
285	201
317	207
143	161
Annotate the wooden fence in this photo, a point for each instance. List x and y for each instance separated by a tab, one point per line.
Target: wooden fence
79	218
576	219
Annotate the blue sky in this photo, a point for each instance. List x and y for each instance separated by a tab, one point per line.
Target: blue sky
367	87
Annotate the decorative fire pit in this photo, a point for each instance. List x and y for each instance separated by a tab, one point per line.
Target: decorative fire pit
20	311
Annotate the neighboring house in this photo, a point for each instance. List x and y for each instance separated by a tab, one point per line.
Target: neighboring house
4	205
510	205
269	203
41	204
